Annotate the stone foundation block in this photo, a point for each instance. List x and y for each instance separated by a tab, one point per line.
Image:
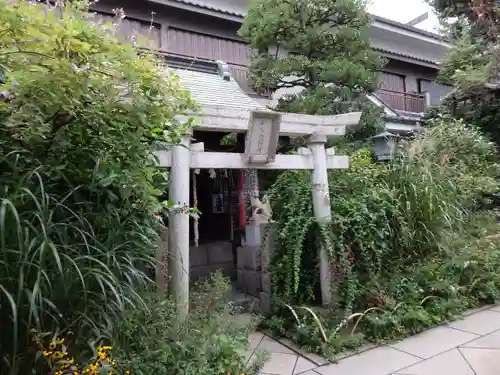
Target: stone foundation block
219	252
252	282
240	257
198	256
249	258
227	269
240	280
199	272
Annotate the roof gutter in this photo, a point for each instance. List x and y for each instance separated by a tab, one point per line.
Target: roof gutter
235	17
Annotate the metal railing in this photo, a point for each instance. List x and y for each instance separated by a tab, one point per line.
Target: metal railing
403	101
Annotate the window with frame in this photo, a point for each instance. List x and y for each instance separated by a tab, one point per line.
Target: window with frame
436	90
392	81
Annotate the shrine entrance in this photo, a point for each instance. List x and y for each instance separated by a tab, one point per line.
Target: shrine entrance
261	130
227	109
217	194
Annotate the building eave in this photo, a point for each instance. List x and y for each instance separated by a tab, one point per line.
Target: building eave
236	15
411	31
381	26
395	55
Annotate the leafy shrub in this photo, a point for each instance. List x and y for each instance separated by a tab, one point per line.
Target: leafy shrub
209	341
78	184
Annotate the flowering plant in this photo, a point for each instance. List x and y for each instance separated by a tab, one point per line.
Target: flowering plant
60	362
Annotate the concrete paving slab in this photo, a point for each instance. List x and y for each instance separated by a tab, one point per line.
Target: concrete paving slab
383	360
450	362
303	365
482	361
254	340
480	323
280	364
434	341
491	341
273	346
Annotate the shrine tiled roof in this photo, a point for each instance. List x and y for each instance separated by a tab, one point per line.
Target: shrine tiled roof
208	89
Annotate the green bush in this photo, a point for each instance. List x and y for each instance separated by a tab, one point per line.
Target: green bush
78	184
209	341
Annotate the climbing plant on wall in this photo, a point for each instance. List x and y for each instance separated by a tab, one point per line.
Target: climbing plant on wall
385	217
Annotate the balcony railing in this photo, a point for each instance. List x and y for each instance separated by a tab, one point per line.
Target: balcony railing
403	101
239	73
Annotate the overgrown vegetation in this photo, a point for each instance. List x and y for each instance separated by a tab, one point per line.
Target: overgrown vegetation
405	248
405	243
472	66
153	340
209	341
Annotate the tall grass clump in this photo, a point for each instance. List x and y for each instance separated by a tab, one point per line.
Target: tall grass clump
439	180
78	183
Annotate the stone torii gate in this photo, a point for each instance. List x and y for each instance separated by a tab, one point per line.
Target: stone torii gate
262	128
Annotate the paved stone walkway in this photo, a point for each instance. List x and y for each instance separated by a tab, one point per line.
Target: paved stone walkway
470	346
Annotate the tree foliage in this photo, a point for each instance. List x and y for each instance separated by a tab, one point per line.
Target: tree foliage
473	65
78	183
321	52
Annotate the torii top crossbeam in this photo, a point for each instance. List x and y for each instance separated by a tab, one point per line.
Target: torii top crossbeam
226	108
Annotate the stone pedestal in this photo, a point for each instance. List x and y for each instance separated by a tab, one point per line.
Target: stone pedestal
206	259
253	275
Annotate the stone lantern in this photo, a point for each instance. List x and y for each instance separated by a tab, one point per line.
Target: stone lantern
384	145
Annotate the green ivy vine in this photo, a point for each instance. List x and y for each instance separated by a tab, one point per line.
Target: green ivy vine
292	204
357	239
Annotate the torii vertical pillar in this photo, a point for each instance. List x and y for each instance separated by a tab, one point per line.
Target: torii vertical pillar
321	206
178	258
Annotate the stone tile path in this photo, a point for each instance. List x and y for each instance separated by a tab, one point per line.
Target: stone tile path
470	346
